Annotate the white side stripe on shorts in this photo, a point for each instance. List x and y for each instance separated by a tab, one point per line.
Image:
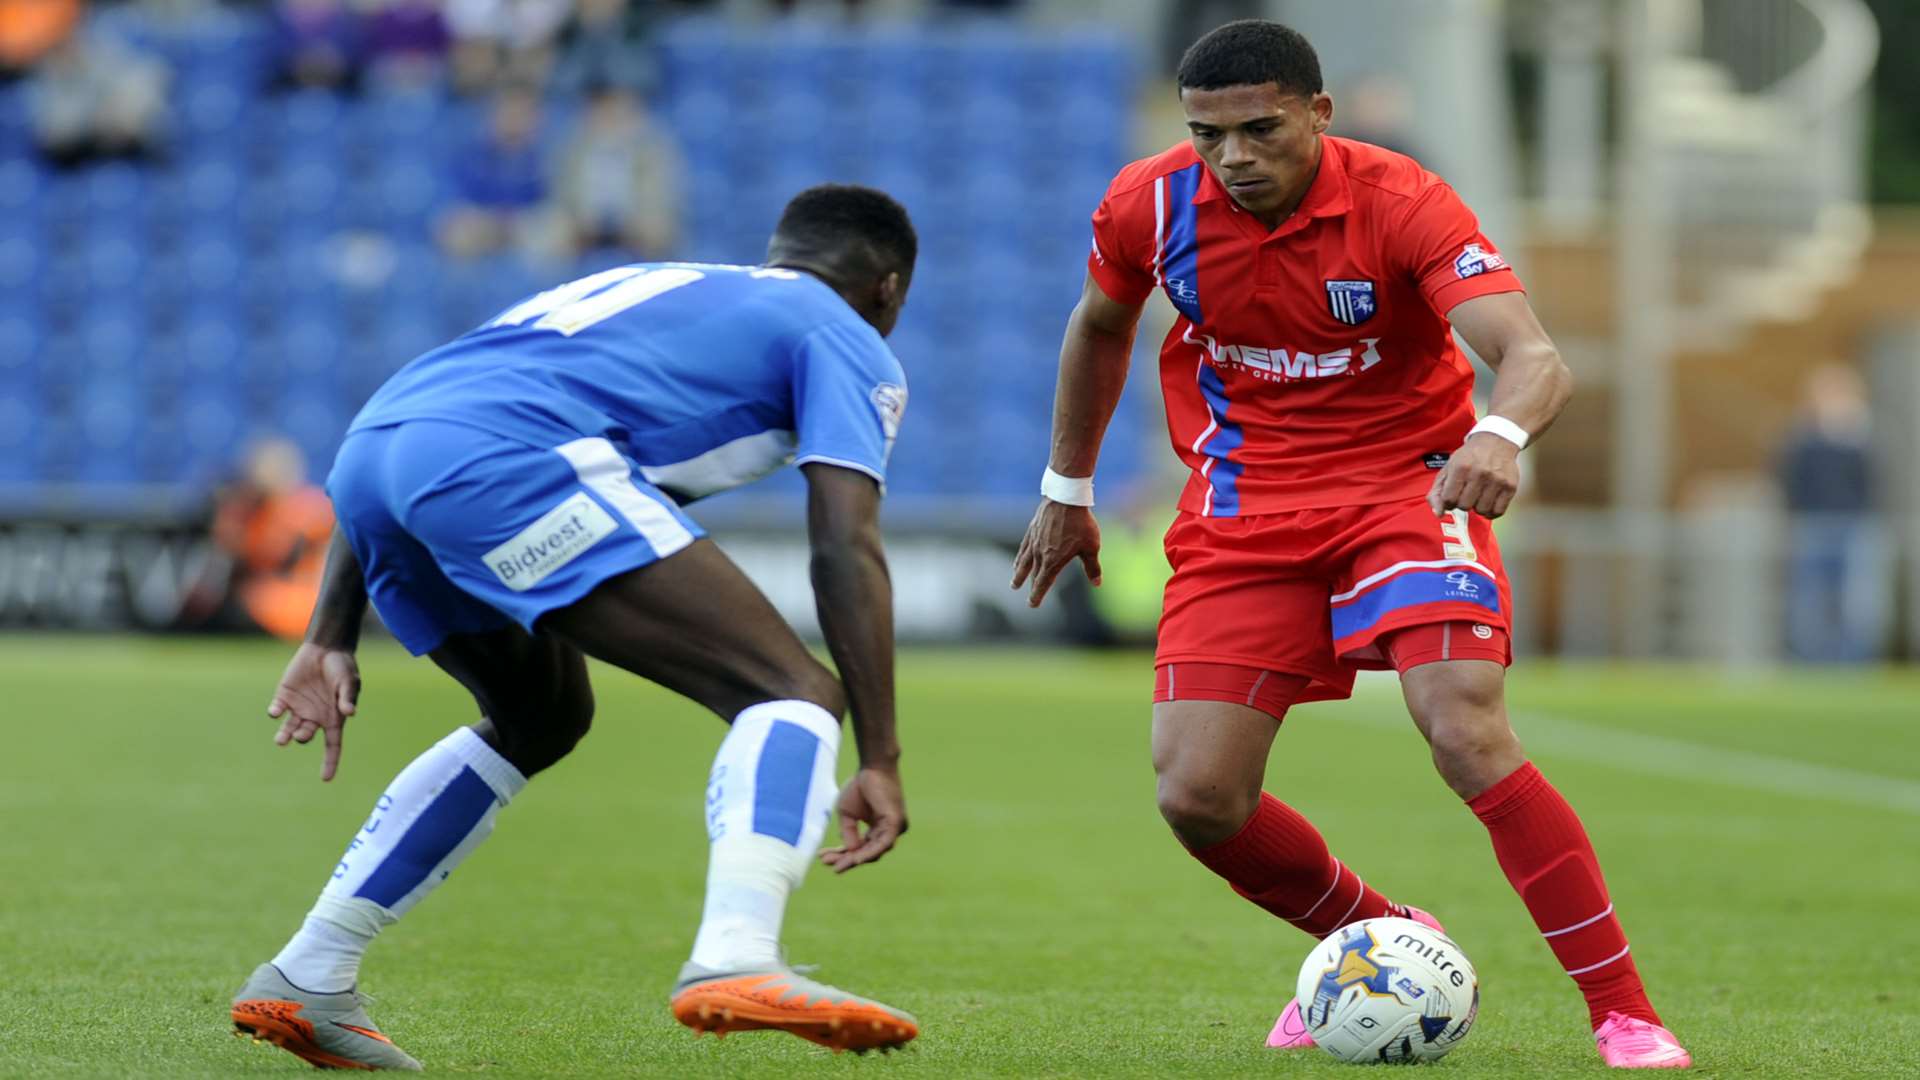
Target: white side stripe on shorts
1434	564
602	469
1601	964
1582	923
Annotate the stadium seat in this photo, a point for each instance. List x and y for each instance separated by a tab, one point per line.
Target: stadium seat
207	281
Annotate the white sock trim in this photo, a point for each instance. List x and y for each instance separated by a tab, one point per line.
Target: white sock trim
473	751
1601	964
824	725
1582	924
1357	897
1339	868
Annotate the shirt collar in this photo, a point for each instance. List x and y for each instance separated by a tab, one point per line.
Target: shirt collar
1330	195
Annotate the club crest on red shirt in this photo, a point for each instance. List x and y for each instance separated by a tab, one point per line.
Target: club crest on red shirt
1351	302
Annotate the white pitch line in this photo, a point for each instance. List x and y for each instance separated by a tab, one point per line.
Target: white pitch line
1658	755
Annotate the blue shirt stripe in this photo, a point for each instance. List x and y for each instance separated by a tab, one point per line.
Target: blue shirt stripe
1225	474
1180	251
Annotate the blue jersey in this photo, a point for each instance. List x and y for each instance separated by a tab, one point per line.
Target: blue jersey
707	377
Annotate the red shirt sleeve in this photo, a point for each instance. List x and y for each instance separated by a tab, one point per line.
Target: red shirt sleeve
1119	261
1440	244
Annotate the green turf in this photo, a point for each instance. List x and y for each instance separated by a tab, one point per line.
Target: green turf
1038	919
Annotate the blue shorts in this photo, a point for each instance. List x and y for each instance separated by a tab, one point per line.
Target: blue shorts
459	530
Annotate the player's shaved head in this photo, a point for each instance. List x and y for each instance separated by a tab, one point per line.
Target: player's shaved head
857	239
1252	52
856	230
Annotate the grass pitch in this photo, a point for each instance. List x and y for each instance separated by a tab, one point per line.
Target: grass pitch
1762	837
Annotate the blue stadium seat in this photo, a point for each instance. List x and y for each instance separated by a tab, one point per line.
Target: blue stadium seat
311	346
213	187
20	263
213	266
213	342
19	429
109	418
114	260
310	118
160	448
211	422
22	183
212	111
400	120
315	423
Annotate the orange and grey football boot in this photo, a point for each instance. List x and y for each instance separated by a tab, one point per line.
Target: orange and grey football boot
777	998
330	1031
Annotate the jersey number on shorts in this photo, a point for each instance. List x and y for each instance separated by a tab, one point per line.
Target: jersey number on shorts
1457	537
573	307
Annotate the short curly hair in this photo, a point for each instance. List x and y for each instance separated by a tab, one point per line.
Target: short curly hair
1250	52
854	221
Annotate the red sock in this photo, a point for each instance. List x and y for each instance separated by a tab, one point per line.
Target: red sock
1280	861
1546	854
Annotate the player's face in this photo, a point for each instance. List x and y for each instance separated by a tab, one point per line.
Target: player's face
1261	144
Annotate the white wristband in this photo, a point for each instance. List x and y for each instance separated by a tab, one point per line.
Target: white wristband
1503	427
1071	490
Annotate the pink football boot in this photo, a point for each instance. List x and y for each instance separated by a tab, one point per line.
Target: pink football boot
1290	1031
1627	1043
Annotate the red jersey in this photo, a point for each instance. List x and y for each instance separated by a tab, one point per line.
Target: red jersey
1312	365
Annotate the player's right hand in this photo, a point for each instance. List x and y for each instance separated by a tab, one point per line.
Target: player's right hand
320	689
872	796
1058	534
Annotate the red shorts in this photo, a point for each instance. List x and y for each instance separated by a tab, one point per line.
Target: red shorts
1316	593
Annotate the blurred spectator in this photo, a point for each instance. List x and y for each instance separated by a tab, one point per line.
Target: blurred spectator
406	42
606	45
1378	109
620	178
499	182
93	96
502	42
275	526
29	30
318	44
1836	589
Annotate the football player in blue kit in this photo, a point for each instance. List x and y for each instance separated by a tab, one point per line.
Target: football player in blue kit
511	503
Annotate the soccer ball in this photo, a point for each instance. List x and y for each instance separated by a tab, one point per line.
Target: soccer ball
1388	990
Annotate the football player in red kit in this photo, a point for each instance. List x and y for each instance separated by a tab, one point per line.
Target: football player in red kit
1338	515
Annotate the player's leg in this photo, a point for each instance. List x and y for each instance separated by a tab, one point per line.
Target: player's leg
442	805
694	623
1459	705
1209	757
1429	597
1243	636
535	703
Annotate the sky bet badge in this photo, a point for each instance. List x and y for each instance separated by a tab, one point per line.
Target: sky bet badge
1351	301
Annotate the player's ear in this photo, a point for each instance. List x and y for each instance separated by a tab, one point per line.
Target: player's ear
1320	108
888	291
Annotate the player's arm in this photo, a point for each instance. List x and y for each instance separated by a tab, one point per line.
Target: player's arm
1532	385
1093	371
854	595
321	686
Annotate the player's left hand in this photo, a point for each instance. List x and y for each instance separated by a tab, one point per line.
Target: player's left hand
872	796
1481	476
320	689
